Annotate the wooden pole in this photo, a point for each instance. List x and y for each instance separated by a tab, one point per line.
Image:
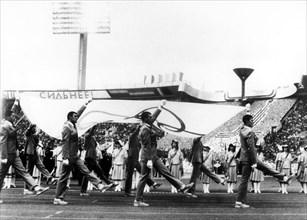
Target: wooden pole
82	61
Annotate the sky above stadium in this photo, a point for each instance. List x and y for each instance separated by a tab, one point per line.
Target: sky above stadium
205	40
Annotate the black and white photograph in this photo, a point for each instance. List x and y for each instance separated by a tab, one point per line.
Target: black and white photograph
153	109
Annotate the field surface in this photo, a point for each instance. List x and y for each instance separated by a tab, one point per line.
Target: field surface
163	204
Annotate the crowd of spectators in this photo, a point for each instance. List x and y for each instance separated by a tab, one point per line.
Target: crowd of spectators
291	132
277	110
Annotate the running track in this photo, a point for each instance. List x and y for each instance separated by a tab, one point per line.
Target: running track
163	204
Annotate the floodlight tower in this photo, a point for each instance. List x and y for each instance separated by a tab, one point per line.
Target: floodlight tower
243	74
82	18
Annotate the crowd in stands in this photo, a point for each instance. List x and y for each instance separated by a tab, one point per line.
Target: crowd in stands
275	113
290	133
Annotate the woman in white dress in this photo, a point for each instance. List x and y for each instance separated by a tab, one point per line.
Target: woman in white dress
175	159
286	167
232	168
257	176
119	156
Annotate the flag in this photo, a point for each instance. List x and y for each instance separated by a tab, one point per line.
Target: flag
183	119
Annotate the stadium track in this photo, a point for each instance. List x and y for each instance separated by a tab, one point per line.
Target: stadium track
163	204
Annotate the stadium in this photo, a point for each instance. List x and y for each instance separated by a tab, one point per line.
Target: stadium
280	113
77	76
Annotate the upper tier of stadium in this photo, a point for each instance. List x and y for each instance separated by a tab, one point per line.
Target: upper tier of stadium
173	88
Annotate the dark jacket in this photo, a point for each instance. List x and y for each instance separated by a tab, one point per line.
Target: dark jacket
90	146
134	144
70	138
31	144
196	155
148	139
8	139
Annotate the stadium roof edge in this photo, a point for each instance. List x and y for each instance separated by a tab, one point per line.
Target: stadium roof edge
173	90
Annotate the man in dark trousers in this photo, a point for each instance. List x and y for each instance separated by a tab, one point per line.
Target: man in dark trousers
71	158
249	161
133	162
90	146
197	159
32	159
148	156
9	153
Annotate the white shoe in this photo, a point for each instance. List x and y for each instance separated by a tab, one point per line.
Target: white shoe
39	190
156	185
84	194
59	202
27	192
191	195
186	188
103	188
140	204
239	205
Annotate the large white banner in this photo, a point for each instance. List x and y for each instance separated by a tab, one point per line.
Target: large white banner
179	118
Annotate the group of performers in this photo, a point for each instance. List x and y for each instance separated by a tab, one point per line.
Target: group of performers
141	155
